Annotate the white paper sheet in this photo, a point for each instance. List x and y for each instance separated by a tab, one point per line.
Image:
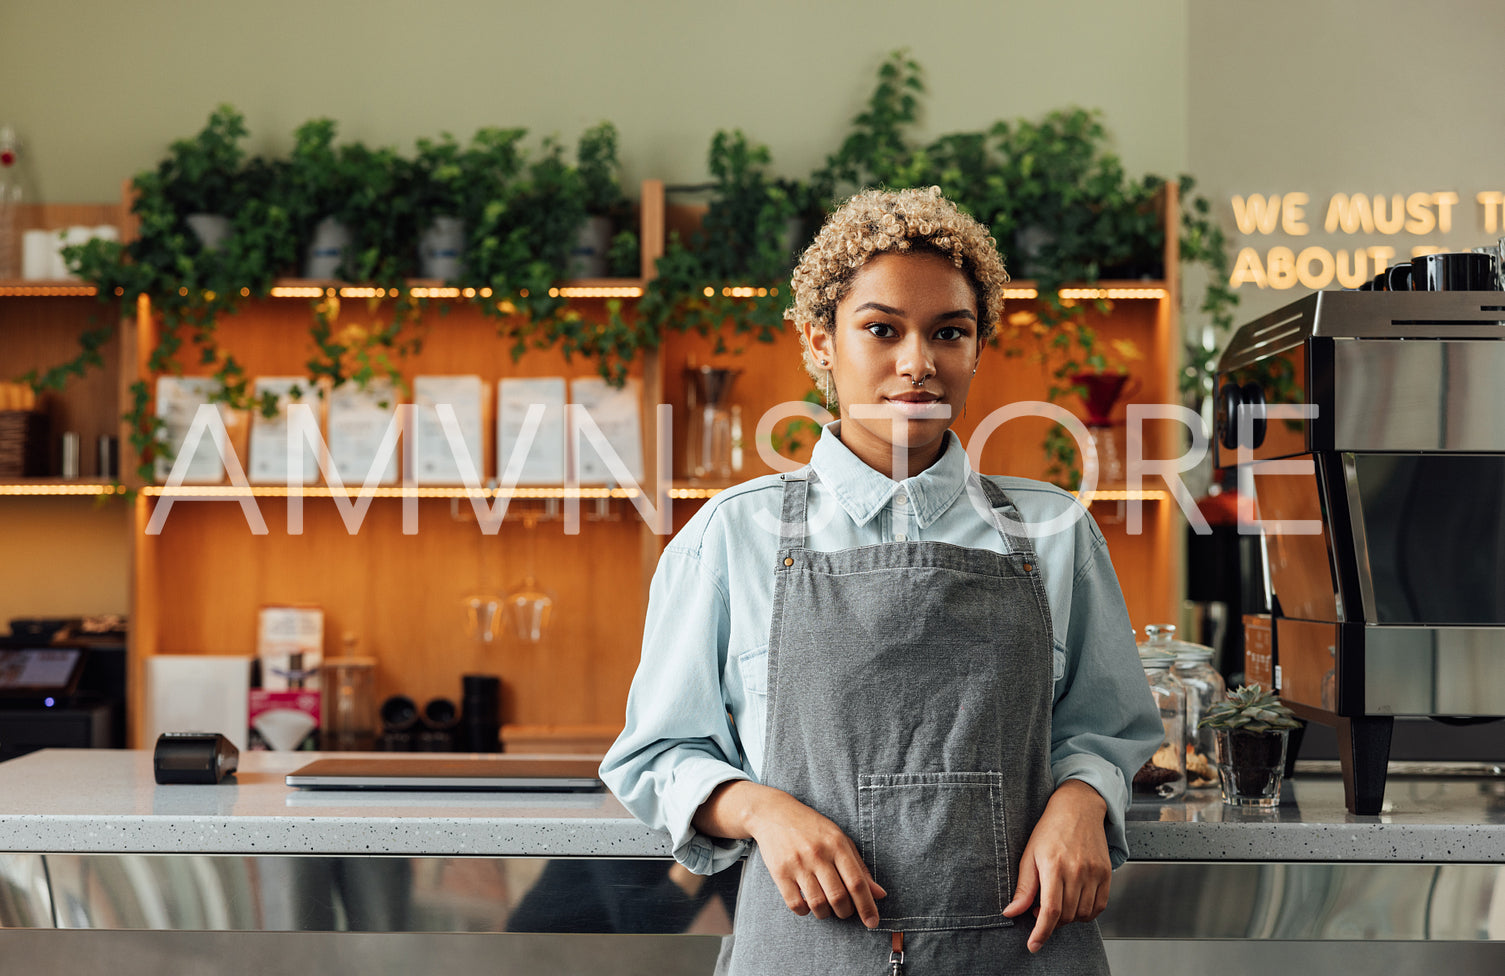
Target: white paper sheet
617	413
178	401
434	457
358	420
544	462
269	434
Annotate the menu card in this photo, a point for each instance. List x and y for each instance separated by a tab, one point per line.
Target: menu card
544	462
178	402
435	458
269	435
616	413
358	421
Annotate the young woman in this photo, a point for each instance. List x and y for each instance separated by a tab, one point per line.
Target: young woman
923	719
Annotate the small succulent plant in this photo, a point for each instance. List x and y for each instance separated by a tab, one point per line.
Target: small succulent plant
1249	709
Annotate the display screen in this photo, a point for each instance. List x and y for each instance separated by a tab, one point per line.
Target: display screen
39	670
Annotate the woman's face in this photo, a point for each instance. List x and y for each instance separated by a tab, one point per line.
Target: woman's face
901	358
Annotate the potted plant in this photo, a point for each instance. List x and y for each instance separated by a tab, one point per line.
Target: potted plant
1251	727
598	251
323	187
201	176
451	186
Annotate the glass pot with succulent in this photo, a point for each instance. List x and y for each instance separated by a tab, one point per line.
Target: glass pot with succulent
1252	728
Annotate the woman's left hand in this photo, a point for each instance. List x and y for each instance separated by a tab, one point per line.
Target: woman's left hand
1065	871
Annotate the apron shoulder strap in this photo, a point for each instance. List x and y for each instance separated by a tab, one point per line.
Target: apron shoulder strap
796	505
1005	516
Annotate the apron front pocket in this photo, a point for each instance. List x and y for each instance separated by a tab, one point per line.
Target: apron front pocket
938	843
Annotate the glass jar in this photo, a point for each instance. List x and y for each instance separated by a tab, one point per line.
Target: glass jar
1164	776
1204	688
349	704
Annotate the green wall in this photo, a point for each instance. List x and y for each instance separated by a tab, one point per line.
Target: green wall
97	88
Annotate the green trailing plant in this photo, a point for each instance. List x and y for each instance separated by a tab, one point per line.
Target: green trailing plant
190	286
735	267
1249	709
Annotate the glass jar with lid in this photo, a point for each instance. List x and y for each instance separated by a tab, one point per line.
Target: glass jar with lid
1164	776
1204	688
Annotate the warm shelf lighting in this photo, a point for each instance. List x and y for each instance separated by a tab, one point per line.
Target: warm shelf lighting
436	293
1020	293
361	292
320	491
1120	495
1113	293
695	493
298	291
595	291
62	489
46	291
1097	496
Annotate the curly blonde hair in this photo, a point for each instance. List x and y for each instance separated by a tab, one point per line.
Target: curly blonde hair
915	221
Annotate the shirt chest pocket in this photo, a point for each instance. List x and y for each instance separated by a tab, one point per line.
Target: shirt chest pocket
753	664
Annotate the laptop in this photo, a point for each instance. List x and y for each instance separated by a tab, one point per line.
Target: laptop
470	774
43	674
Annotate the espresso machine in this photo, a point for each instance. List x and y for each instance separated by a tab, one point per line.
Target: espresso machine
1372	427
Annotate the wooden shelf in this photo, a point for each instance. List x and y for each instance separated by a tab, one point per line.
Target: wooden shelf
196	586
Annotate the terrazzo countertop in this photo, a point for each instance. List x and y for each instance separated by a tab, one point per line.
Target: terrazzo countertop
105	801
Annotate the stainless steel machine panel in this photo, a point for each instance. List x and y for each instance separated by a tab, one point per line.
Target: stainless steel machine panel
1429	536
1434	670
1418	395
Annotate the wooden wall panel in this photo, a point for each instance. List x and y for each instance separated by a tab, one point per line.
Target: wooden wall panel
403	597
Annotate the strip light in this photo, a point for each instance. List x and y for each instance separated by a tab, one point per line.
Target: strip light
48	291
591	291
69	489
1113	293
1120	495
695	492
1097	496
319	491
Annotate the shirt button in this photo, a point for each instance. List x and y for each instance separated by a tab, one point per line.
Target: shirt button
900	537
901	497
788	561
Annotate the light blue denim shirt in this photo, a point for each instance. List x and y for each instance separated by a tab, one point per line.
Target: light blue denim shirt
698	705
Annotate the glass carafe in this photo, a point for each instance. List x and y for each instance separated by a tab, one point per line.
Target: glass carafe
708	440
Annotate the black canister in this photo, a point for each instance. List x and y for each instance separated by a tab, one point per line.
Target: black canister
440	719
481	713
398	717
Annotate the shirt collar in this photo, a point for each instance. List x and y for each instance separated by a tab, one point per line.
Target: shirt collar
864	492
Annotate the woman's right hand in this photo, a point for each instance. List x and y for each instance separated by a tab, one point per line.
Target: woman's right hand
815	866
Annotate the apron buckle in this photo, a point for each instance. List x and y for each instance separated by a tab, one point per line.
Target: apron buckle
896	955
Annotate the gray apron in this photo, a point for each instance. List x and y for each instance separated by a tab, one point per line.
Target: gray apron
909	700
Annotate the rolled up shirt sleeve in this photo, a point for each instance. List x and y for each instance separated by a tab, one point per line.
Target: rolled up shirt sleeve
679	743
1105	725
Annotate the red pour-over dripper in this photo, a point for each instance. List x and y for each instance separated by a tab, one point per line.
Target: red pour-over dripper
1104	390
